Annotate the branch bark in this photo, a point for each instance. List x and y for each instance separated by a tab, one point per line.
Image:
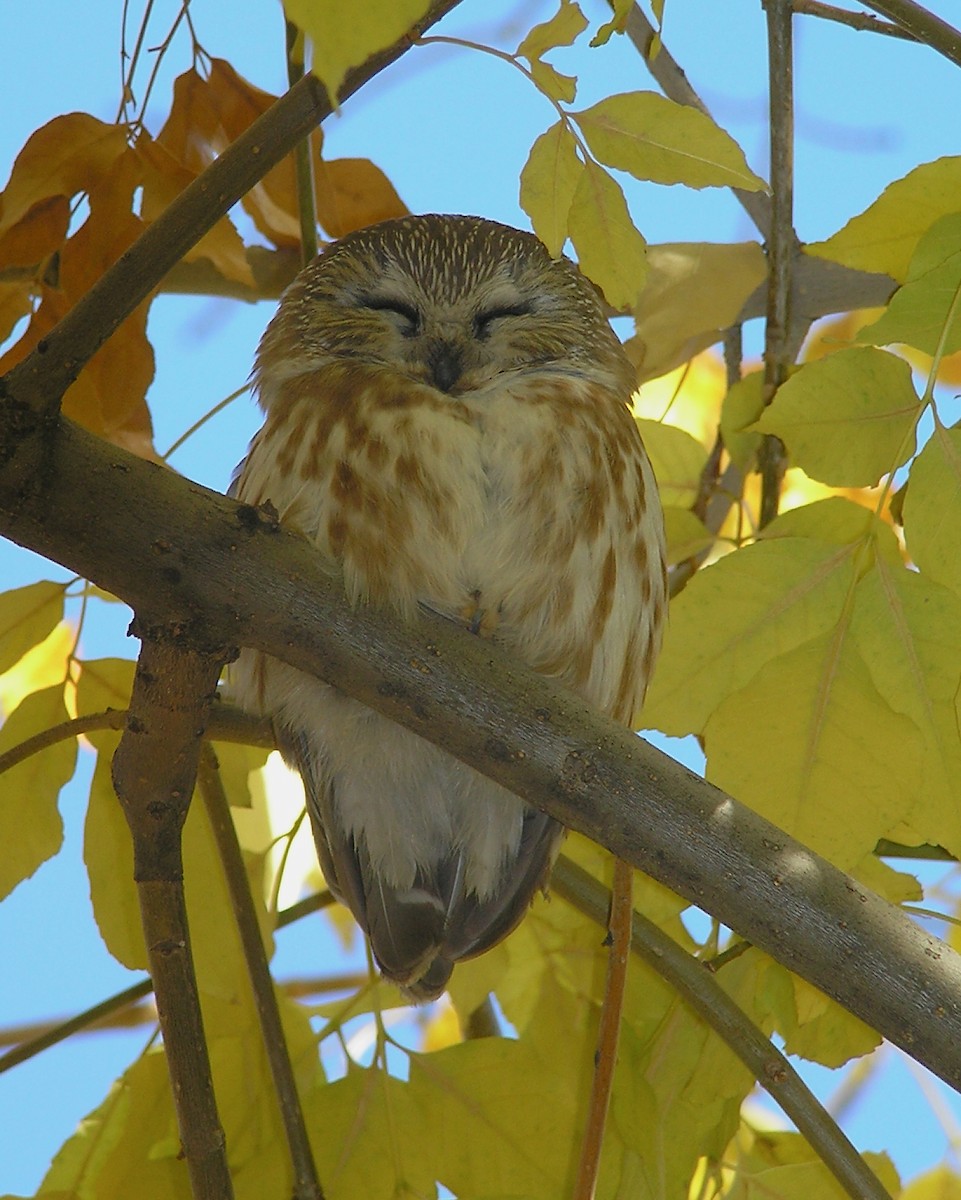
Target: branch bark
153	771
226	571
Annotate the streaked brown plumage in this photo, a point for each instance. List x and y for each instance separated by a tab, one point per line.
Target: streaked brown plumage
447	421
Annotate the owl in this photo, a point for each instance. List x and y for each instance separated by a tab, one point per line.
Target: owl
447	422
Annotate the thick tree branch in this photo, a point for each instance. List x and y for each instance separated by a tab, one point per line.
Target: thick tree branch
227	572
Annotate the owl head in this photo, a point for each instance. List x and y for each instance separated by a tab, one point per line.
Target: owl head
457	303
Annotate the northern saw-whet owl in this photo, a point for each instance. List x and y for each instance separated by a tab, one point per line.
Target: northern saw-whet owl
447	421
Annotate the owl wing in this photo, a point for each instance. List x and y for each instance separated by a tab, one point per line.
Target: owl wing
418	933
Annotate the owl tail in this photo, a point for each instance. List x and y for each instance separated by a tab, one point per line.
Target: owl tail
418	933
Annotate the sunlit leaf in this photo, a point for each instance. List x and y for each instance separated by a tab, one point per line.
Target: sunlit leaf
552	82
743	404
30	827
43	665
610	249
27	616
563	29
346	37
654	138
548	183
686	534
925	312
932	508
884	237
847	419
908	630
677	459
737	615
694	291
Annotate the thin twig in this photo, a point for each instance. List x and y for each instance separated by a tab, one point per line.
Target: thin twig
923	25
609	1030
701	992
306	1183
772	458
853	20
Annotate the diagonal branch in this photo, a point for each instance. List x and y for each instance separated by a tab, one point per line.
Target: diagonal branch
226	570
922	25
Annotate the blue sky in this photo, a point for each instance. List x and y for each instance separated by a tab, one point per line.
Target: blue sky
868	109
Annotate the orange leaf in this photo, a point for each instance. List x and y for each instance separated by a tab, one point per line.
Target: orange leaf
164	179
16	301
352	193
38	233
68	155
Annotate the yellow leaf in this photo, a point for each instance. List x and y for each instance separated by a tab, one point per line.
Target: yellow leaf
654	138
42	666
30	827
941	1183
810	744
738	614
548	183
344	37
370	1136
622	9
108	855
884	237
104	683
38	233
932	508
563	29
925	313
16	302
908	631
128	1146
694	291
847	419
552	83
743	404
609	247
686	535
677	460
28	615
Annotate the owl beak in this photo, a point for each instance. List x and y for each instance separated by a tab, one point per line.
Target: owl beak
445	364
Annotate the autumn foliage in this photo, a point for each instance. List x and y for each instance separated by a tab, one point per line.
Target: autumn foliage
816	658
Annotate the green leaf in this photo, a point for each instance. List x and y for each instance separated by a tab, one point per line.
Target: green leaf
926	308
884	237
932	508
653	138
563	29
344	36
548	183
610	249
847	419
27	615
31	830
678	460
